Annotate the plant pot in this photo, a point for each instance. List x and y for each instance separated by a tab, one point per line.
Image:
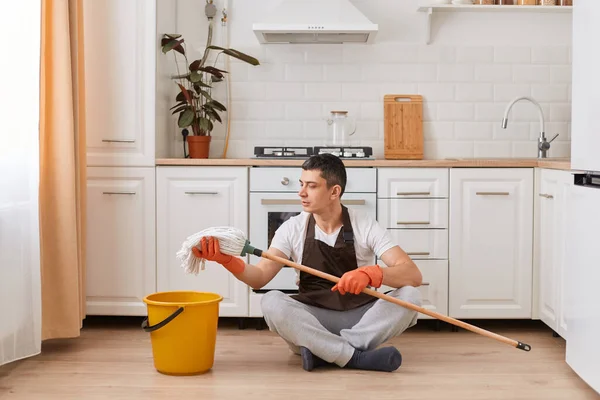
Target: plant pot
198	146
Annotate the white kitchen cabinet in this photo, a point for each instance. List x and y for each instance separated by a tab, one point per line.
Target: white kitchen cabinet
120	52
491	240
434	289
552	204
120	240
412	203
190	199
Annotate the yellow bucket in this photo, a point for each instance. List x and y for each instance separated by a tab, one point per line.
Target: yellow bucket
183	330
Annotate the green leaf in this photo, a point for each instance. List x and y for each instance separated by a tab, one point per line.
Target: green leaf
186	94
173	45
213	71
195	77
181	108
184	76
181	103
212	113
237	54
205	94
216	105
199	85
185	118
205	124
195	65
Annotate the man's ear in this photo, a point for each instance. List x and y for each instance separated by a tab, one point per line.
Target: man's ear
336	191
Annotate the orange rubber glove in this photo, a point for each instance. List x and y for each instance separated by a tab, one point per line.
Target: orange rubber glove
355	281
211	251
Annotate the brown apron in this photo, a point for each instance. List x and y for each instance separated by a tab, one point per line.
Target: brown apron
336	261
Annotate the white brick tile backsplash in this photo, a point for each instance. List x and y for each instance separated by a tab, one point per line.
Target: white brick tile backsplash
456	73
437	91
467	77
493	73
492	149
513	131
371	111
284	129
284	91
265	72
508	91
303	72
360	92
438	130
560	74
479	54
559	112
545	93
323	91
455	112
324	53
550	55
436	54
474	92
531	73
512	55
489	111
302	111
441	149
342	72
473	130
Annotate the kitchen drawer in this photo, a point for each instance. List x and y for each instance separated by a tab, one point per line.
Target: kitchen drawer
287	179
422	243
434	290
412	182
413	213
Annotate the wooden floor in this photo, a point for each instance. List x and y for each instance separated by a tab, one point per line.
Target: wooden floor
112	360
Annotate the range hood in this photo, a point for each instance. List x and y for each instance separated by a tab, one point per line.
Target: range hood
315	21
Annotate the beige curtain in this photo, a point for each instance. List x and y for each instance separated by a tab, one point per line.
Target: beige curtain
62	169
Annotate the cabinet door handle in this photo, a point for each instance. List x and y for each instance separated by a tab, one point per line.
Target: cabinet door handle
294	202
413	193
118	140
548	196
413	223
128	193
425	284
418	253
201	192
492	193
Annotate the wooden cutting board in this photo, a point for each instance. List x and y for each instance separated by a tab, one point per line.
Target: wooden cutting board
403	126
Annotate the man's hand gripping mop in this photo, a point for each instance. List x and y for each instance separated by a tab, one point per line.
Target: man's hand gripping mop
233	242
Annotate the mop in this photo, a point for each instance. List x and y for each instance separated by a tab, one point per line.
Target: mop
232	241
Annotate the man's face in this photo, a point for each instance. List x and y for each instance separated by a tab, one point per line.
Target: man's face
314	193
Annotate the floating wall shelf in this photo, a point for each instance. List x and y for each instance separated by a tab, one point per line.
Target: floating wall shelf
430	8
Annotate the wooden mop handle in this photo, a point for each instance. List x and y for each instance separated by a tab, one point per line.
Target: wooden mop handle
402	303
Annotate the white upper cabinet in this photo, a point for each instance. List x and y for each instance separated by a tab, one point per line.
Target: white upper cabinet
120	52
491	234
190	199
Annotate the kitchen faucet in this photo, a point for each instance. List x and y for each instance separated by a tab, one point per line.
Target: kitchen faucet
543	145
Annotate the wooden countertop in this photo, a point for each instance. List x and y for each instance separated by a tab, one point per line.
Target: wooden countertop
554	163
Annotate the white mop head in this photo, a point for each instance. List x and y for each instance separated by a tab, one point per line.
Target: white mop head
231	241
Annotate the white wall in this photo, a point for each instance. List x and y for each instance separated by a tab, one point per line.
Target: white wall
474	66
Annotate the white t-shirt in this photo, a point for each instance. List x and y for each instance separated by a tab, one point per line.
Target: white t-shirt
370	239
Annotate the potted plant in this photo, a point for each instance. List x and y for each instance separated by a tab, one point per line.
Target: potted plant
197	109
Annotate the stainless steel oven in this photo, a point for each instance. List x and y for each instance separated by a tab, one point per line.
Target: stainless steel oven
274	199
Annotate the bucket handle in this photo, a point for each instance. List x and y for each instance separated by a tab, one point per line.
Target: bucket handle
162	323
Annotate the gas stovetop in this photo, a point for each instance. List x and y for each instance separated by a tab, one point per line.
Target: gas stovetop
290	152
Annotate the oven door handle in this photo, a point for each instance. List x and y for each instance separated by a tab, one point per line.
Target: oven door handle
296	202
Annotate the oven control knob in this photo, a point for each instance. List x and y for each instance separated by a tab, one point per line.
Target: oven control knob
285	181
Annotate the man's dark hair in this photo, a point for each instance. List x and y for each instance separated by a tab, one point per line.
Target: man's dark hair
331	167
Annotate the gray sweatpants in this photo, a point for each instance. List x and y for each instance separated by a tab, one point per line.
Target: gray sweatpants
334	335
